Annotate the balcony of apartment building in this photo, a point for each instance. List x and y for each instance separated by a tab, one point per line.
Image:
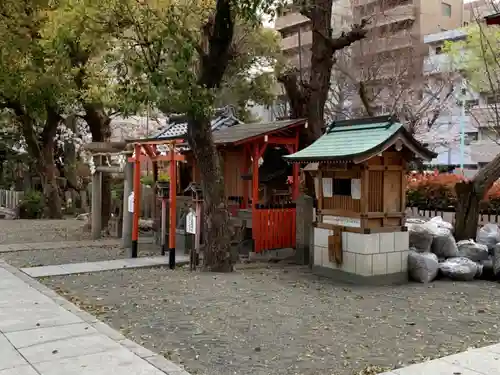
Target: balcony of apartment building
290	18
438	62
384	12
296	38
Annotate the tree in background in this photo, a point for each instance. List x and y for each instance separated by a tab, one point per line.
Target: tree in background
479	58
32	89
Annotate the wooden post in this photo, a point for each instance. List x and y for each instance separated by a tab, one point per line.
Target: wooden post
137	200
163	225
127	216
245	182
96	202
255	176
197	236
173	198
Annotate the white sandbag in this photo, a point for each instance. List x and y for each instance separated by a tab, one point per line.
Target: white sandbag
488	235
472	250
441	224
421	236
444	246
422	267
496	260
460	269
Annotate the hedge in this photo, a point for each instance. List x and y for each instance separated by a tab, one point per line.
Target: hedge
437	192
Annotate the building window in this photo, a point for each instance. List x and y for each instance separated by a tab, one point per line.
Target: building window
446	10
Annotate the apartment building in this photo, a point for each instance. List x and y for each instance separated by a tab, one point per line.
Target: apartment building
296	33
393	52
468	110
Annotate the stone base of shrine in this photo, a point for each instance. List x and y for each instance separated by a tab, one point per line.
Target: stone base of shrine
376	258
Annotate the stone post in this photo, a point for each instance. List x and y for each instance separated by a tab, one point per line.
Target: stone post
128	182
304	221
96	205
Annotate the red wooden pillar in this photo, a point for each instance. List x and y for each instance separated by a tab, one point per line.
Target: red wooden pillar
255	175
245	182
137	199
296	169
173	208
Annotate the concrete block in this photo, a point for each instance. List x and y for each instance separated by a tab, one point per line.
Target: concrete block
349	263
321	237
379	264
386	244
404	260
345	236
318	255
363	243
364	265
401	241
394	263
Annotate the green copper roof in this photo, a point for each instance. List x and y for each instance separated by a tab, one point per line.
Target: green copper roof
345	140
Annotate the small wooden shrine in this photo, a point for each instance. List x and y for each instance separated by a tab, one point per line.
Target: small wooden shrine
359	167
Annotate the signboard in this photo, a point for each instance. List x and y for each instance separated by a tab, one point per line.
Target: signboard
327	187
350	222
191	222
356	188
130	204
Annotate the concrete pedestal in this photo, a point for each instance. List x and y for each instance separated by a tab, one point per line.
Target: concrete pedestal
378	258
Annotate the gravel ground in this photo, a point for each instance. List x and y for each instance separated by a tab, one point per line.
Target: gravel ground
35	258
286	321
27	231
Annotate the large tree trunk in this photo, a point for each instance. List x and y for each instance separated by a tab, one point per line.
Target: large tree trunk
41	149
215	56
469	196
467	211
99	124
48	176
217	229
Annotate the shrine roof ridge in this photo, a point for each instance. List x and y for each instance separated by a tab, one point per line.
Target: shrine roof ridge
358	140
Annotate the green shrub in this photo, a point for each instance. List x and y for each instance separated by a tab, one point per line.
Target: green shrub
32	205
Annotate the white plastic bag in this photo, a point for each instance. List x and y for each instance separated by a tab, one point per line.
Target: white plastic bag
421	236
460	269
422	267
472	250
441	224
488	235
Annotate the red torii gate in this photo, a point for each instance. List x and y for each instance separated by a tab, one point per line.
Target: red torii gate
151	150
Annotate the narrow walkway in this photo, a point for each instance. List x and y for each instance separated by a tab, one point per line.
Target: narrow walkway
105	265
67	244
41	333
483	361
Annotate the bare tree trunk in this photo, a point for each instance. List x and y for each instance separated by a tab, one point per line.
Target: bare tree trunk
469	196
100	129
467	211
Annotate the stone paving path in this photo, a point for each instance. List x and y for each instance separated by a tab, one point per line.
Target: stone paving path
105	265
41	333
483	361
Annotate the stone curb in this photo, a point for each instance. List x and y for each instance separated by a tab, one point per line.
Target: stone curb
156	360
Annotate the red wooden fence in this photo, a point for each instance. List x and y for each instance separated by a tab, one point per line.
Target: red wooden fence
273	228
